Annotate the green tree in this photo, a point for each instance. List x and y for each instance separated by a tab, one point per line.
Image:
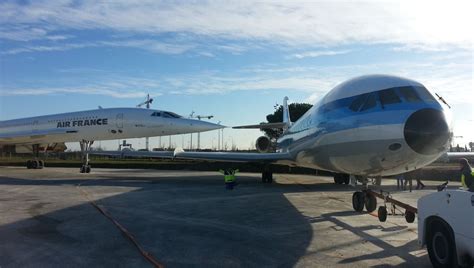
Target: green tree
296	111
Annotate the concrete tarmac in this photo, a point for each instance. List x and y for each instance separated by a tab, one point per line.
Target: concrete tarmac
187	218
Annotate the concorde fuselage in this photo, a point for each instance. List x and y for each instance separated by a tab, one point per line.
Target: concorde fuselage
375	125
100	124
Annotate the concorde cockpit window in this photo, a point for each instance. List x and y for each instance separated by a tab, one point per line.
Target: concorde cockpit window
388	96
409	94
170	115
156	114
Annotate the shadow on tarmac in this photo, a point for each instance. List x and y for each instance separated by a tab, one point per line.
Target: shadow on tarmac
182	221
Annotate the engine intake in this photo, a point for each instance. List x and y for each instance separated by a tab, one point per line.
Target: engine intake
263	144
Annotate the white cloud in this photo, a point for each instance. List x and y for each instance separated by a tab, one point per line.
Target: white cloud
292	23
145	44
314	54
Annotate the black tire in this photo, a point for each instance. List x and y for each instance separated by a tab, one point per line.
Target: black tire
34	164
358	201
382	213
441	245
338	179
83	169
409	216
88	169
370	203
266	177
28	164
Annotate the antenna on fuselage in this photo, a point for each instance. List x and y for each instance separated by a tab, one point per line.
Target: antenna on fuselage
147	102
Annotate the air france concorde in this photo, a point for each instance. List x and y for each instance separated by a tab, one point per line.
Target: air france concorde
51	131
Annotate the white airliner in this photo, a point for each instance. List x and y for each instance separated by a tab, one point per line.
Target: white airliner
369	126
49	131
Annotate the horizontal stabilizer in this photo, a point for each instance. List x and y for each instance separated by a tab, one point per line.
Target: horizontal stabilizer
265	125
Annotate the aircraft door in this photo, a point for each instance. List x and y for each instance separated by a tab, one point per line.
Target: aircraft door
119	121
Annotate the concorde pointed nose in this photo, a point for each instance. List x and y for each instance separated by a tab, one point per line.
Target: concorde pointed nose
427	132
201	126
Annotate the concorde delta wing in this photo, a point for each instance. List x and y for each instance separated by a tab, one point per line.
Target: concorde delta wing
32	136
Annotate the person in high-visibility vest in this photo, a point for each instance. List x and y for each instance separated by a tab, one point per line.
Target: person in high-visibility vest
467	176
229	178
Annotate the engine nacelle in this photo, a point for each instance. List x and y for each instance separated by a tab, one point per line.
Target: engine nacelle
263	144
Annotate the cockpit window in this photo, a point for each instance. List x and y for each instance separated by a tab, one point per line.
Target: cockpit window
388	96
170	115
156	114
409	94
357	102
363	102
425	94
370	102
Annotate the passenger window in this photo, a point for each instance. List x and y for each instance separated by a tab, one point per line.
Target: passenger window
357	102
370	102
409	94
388	96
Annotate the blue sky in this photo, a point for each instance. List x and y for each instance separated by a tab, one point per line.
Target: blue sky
231	60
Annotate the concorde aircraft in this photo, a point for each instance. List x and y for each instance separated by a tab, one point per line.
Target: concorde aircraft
86	127
368	126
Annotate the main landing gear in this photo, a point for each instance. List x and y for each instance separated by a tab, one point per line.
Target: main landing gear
35	163
341	178
267	175
85	148
368	199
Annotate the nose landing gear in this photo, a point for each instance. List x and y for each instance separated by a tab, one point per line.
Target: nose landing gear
368	199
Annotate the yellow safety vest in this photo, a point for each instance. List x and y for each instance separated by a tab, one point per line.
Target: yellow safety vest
229	178
463	180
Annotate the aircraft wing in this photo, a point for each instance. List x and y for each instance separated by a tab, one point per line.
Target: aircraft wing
32	135
233	157
206	156
137	154
265	125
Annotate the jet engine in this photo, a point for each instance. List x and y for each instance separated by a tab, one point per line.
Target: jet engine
263	144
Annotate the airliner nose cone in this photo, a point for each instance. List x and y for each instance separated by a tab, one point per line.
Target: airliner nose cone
427	132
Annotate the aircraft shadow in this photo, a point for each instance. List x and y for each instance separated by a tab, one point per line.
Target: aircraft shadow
182	221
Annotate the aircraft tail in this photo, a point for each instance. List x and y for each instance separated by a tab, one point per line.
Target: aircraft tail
286	113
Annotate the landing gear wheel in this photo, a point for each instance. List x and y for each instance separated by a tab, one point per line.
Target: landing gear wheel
88	169
382	213
441	247
338	179
370	203
358	199
85	169
28	164
34	164
409	216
